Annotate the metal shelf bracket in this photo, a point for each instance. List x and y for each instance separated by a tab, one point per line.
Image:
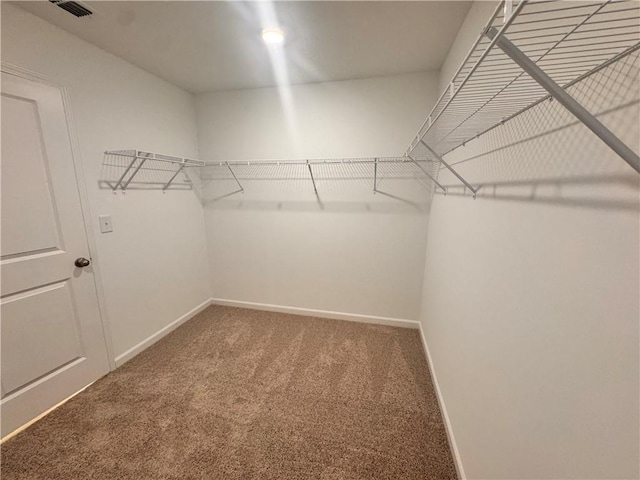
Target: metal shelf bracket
444	189
457	175
375	175
142	156
166	185
315	190
566	100
235	178
124	174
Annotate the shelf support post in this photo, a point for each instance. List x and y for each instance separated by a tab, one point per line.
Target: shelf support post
375	175
166	185
235	178
457	175
427	174
315	190
135	172
566	100
133	160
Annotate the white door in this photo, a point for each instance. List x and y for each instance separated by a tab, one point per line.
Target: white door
51	332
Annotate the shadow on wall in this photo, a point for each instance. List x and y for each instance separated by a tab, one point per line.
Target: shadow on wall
546	155
568	191
408	197
338	187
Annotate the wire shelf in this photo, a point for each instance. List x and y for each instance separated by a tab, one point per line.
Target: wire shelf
150	170
147	170
569	41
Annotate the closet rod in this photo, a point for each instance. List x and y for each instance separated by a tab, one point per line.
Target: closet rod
566	100
148	156
343	161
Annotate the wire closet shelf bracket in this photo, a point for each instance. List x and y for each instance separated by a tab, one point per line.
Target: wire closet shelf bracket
529	52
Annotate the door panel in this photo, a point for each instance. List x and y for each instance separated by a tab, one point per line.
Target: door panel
52	338
25	182
39	320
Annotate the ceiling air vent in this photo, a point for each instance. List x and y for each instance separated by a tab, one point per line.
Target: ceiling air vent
73	8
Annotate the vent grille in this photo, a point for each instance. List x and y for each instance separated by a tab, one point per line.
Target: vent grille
73	8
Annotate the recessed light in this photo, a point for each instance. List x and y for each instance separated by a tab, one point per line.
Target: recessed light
273	36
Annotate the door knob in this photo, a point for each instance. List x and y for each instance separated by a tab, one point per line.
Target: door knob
82	262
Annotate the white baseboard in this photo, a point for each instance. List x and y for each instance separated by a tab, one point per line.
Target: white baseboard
147	342
443	409
352	317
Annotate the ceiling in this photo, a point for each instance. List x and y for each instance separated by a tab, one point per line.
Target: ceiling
205	46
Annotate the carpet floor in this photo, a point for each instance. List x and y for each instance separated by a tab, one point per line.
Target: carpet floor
245	394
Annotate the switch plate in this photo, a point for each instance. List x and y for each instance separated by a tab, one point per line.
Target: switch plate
105	223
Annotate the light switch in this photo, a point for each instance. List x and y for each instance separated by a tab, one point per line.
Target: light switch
105	223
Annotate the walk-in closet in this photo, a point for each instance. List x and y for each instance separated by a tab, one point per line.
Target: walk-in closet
331	240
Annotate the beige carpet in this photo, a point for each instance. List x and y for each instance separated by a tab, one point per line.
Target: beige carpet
243	394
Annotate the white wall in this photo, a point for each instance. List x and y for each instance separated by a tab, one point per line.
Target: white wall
531	294
154	264
351	251
474	22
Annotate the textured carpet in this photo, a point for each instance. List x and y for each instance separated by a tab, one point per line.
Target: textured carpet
243	394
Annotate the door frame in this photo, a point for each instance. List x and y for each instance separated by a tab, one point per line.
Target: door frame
21	72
